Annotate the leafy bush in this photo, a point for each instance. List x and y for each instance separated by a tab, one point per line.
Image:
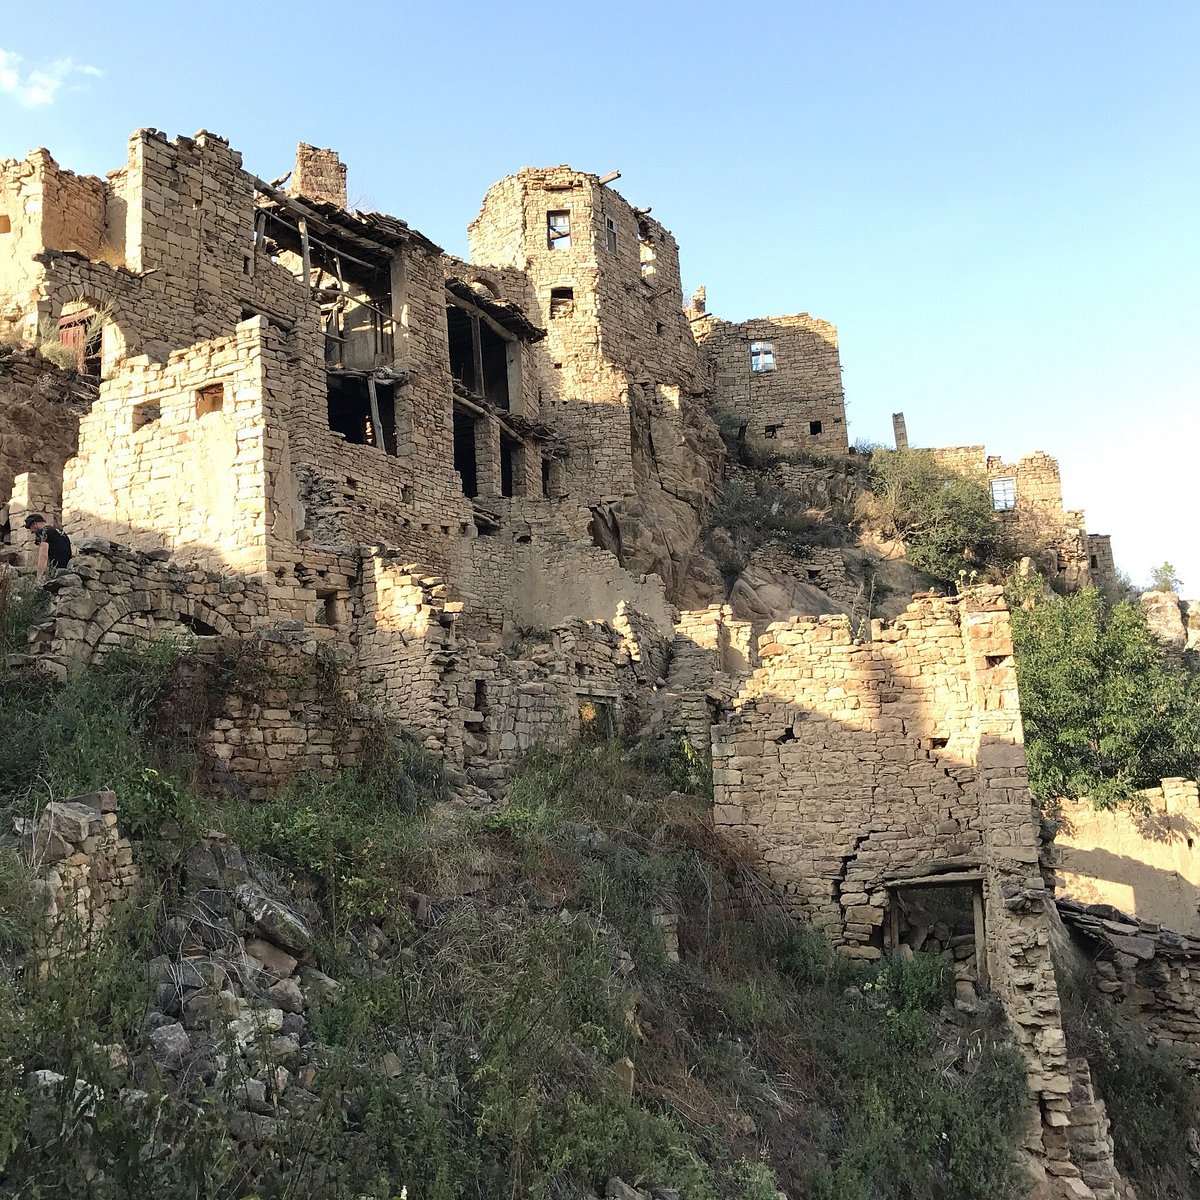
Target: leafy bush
1165	578
1105	711
946	519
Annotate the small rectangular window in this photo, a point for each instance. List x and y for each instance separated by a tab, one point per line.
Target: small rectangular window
562	303
1004	494
558	230
610	234
762	356
145	414
210	399
772	431
1095	562
814	427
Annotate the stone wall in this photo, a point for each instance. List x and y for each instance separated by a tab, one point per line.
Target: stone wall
40	407
858	771
82	868
1151	972
1138	857
795	400
1055	537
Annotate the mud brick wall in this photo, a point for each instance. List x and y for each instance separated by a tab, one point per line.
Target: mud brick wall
1140	858
803	390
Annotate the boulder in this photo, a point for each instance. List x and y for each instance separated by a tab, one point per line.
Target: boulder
277	922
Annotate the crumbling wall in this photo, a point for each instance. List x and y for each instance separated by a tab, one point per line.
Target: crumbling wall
40	408
1055	537
858	769
82	868
1151	972
177	456
319	175
795	401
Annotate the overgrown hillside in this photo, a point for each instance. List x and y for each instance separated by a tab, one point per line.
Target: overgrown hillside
583	991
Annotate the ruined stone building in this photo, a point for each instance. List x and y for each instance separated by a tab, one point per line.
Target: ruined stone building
1027	496
476	489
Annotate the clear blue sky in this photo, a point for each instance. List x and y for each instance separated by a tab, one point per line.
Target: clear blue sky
995	203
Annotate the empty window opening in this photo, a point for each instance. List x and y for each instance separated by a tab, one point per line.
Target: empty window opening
762	356
5	223
195	626
329	609
938	743
1004	494
480	697
659	328
481	360
545	477
595	719
814	427
772	431
1094	561
995	660
361	418
83	332
210	399
464	452
562	303
512	466
145	414
558	229
610	234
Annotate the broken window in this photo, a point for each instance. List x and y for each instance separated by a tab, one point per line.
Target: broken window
942	915
562	303
362	411
481	359
762	356
772	431
330	610
558	230
1004	494
464	452
610	234
512	466
210	399
814	427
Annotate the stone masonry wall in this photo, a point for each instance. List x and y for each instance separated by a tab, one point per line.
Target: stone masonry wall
799	404
82	868
854	769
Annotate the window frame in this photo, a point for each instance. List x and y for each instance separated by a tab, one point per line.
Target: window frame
762	357
1004	493
610	233
558	234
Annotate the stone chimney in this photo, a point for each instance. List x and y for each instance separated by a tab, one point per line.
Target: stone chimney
319	175
899	431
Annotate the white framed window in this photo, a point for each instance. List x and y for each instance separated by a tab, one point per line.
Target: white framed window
610	234
558	229
762	356
1004	494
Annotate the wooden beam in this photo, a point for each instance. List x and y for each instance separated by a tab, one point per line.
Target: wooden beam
375	418
946	879
305	253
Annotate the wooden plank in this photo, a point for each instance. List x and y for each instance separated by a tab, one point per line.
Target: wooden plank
946	880
981	958
375	418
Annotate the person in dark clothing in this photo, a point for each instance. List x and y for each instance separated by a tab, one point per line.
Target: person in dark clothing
54	547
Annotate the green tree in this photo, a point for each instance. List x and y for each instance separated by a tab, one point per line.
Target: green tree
946	519
1105	711
1165	579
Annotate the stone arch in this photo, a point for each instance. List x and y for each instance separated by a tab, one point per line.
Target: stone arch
488	286
142	614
